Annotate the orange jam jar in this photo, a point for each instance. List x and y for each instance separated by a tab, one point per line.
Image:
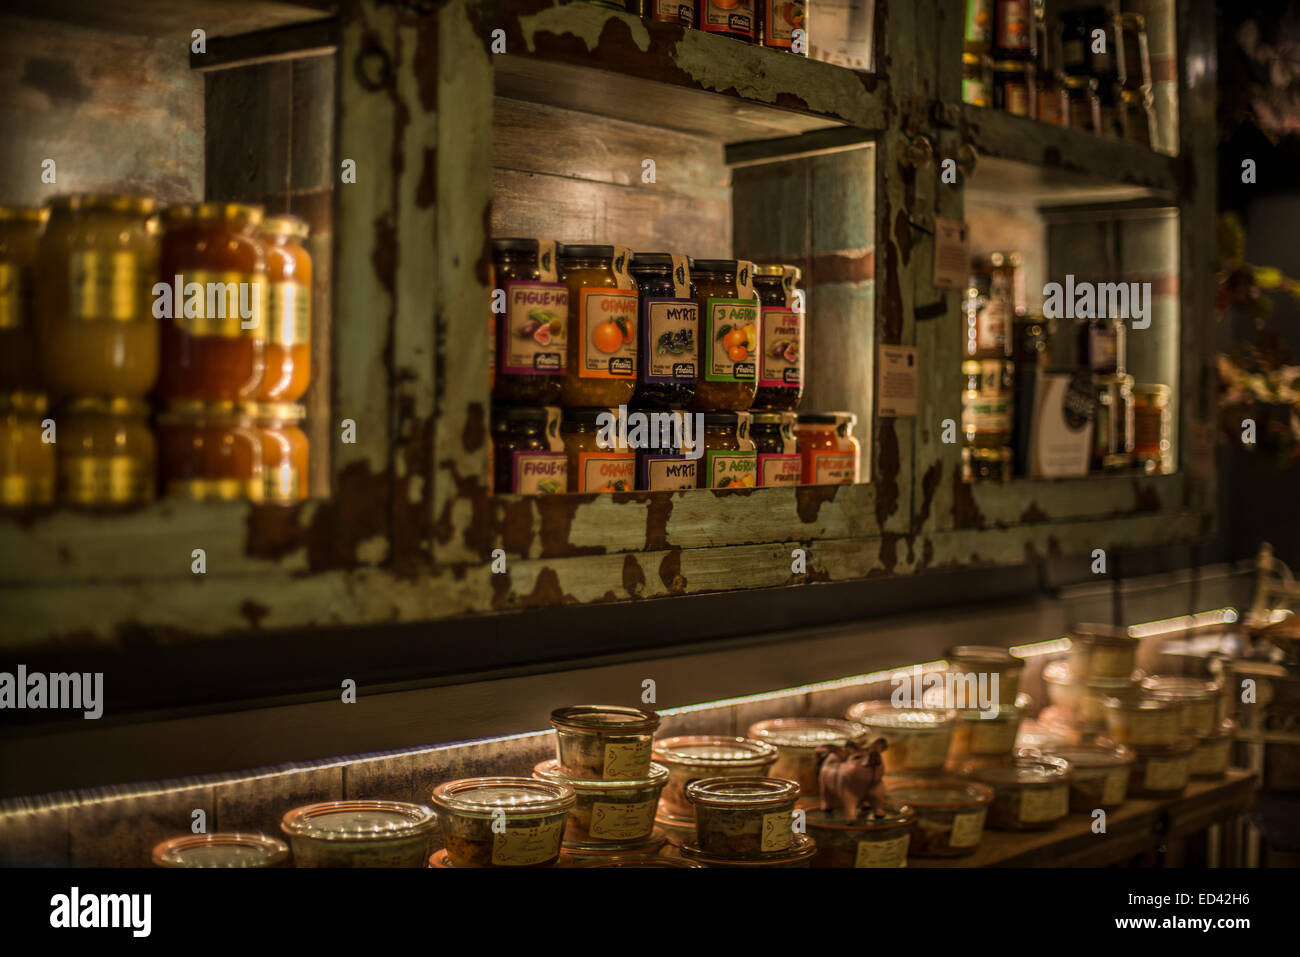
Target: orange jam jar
595	465
728	335
20	238
780	360
209	451
828	448
26	459
214	340
95	269
287	351
603	316
281	470
107	454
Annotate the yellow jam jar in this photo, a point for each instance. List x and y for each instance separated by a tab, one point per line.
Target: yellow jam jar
27	466
107	454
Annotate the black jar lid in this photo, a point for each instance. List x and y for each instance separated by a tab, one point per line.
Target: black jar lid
514	244
652	260
520	413
715	265
725	419
817	418
586	251
586	415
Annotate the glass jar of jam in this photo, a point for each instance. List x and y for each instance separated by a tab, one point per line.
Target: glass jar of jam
27	466
780	373
209	451
96	268
288	310
532	322
528	453
729	335
602	339
777	22
828	448
280	473
664	463
730	18
596	463
976	80
670	320
977	34
1082	105
1014	89
107	454
730	460
777	448
1013	30
1153	428
680	12
214	342
20	239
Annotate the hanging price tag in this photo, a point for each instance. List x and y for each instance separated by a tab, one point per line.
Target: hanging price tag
951	254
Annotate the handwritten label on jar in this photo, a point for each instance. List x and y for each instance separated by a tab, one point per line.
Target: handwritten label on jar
732	469
288	313
967	827
731	340
661	473
534	329
607	323
626	760
1044	804
887	853
521	846
778	833
622	822
606	471
107	286
776	470
782	359
834	468
993	736
1166	774
539	473
668	345
1115	787
783	18
727	16
1211	757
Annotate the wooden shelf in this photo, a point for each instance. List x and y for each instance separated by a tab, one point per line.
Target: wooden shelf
166	18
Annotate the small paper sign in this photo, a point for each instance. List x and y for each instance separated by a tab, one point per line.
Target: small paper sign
896	380
951	254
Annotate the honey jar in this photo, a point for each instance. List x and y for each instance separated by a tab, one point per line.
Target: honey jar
27	466
281	469
209	451
288	310
106	451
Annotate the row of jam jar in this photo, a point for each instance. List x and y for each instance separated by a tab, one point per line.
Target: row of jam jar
544	451
588	325
771	23
101	297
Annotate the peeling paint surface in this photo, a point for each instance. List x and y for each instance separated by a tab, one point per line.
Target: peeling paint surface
587	23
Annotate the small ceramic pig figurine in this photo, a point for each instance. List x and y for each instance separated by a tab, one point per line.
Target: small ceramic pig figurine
851	777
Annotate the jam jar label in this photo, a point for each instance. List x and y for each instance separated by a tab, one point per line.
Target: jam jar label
108	286
727	16
607	324
1115	786
622	822
539	473
783	18
891	852
674	11
606	471
531	338
993	736
668	330
659	473
925	751
627	760
979	21
1166	774
288	313
731	340
782	359
833	468
521	846
1013	25
1044	804
967	827
732	469
1015	99
779	470
777	833
1211	757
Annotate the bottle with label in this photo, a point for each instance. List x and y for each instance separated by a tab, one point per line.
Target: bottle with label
977	37
1050	103
990	308
777	448
779	19
532	322
729	335
827	447
780	369
603	320
730	460
1103	346
1153	429
987	403
529	457
730	18
1014	88
976	80
597	461
664	464
680	12
669	328
1013	30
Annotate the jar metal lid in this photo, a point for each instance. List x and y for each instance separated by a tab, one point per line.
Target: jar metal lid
1041	771
239	214
514	244
985	654
1145	705
770	270
1058	673
106	202
714	751
1152	389
765	420
817	418
24	214
940	793
1180	688
286	224
519	413
89	405
806	732
608	718
358	820
802	849
753	792
193	410
896	816
526	797
997	712
550	770
1183	746
882	714
1088	756
586	251
724	420
651	261
221	850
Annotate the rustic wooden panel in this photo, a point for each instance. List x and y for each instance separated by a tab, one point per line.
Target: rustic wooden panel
249	122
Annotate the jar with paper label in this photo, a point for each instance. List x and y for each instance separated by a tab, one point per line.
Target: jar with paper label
691	757
1153	429
799	855
529	457
829	451
209	451
532	326
916	739
729	335
604	742
1082	701
988	307
95	271
20	239
27	463
778	23
503	821
1013	30
1162	770
608	814
359	834
987	663
665	465
984	732
1199	699
1145	722
780	372
602	343
282	466
976	80
596	463
730	18
777	448
796	741
987	403
867	842
743	818
1015	88
977	33
1029	794
950	814
214	335
680	12
1214	751
730	460
1102	651
669	326
107	453
221	850
1101	775
288	310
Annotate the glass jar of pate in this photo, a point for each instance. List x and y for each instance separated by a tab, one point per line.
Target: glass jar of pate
359	834
991	661
20	239
532	322
665	465
528	453
503	821
1083	702
796	741
27	461
916	739
214	341
1029	794
288	310
1101	773
107	453
1102	651
780	361
1162	770
601	368
1198	698
580	854
221	850
209	451
670	320
730	460
604	741
829	452
281	468
799	855
728	335
608	813
867	842
693	756
1145	722
743	818
1214	751
95	271
777	449
592	467
985	734
950	814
